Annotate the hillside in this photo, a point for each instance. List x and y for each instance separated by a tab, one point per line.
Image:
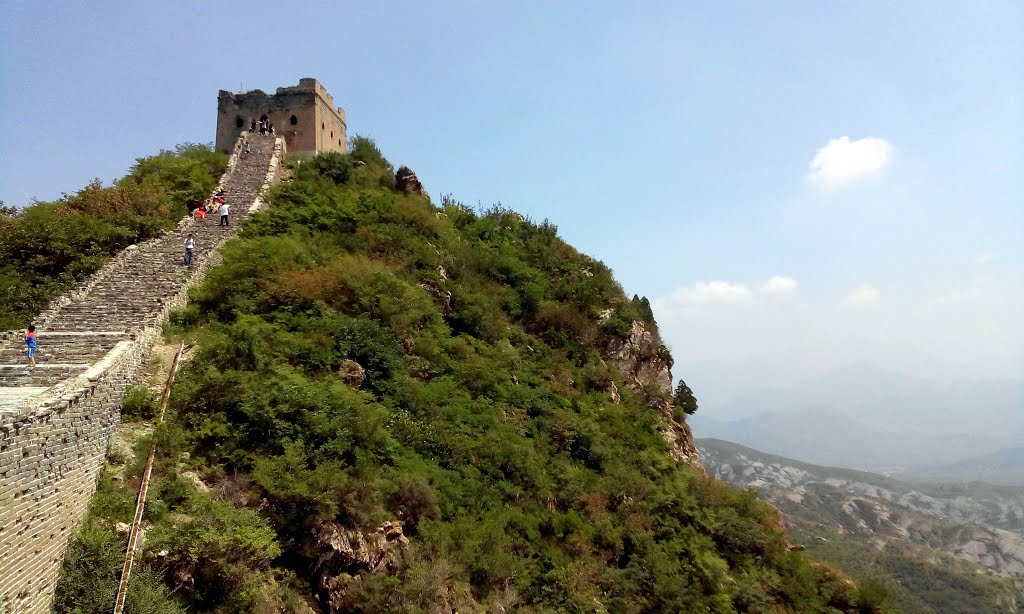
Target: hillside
1004	466
395	406
935	539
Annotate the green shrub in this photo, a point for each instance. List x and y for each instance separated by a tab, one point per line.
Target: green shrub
332	165
91	572
139	403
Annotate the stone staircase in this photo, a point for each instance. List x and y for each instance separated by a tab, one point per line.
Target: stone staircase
56	419
132	292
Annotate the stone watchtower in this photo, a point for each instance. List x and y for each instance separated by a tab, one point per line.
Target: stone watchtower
304	115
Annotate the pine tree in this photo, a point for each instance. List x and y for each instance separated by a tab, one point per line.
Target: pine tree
685	399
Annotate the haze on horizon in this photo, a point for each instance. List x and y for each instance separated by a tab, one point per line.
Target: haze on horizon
797	189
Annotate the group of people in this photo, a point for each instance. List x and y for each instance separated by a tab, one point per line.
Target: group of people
215	202
218	202
265	126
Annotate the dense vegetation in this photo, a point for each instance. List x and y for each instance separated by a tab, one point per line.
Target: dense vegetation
916	580
48	247
481	420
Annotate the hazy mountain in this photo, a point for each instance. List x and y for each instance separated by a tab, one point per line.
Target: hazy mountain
948	547
830	437
897	403
1005	466
874	419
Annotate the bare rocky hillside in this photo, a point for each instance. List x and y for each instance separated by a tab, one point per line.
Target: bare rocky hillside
976	523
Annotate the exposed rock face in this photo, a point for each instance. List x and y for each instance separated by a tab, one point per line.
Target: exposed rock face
407	182
613	393
646	365
352	372
441	296
342	554
639	360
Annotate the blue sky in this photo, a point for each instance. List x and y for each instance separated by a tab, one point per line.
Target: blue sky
672	140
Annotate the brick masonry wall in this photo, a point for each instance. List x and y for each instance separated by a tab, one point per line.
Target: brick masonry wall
51	449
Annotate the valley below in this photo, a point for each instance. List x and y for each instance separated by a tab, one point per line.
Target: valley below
935	547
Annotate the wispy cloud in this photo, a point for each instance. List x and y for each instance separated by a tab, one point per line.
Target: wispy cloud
984	258
863	296
780	285
842	161
709	293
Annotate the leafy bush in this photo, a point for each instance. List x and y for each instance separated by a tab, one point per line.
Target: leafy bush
139	404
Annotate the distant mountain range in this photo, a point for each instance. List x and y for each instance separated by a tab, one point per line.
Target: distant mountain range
1004	466
939	547
871	419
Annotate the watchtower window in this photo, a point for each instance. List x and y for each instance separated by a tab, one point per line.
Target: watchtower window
323	126
239	122
293	120
332	134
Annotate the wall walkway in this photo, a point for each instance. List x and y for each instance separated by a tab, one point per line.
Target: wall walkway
56	419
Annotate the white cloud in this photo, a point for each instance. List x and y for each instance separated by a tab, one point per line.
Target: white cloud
779	285
707	293
842	161
984	258
863	296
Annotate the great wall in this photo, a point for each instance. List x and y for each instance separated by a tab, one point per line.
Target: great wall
56	420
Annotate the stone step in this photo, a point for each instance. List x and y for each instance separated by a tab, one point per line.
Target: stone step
154	272
40	375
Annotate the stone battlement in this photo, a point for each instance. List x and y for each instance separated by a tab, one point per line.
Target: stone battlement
57	419
303	114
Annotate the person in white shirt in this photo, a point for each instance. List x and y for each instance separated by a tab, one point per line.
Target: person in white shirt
224	209
190	244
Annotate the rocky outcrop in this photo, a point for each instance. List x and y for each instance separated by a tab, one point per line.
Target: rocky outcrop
642	359
407	182
343	554
442	297
646	366
352	372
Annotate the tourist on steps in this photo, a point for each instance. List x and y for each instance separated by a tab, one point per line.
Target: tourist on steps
31	342
252	126
190	244
224	210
